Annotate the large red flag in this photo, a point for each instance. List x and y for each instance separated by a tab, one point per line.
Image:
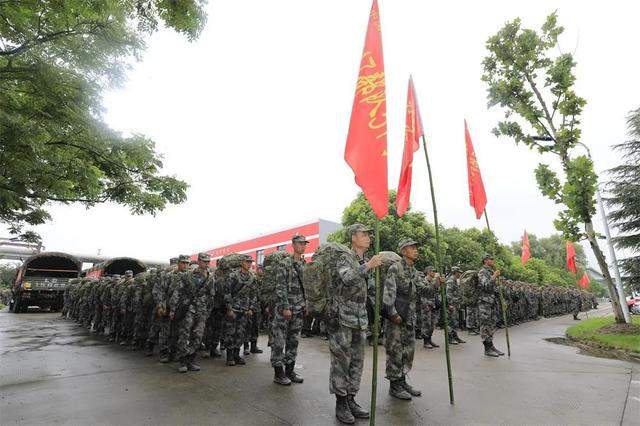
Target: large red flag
413	132
571	257
526	249
477	196
584	281
366	149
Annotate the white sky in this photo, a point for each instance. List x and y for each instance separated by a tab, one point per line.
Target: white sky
254	116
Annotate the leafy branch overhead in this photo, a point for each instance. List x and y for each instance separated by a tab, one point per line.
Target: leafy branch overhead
56	60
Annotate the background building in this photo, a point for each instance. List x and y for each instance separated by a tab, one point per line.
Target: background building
258	247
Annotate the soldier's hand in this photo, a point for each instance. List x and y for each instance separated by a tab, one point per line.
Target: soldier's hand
172	315
286	313
249	313
496	274
396	319
374	262
231	314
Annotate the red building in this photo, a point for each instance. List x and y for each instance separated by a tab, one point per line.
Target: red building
258	247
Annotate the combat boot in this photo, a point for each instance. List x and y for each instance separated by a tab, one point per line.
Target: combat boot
215	353
230	358
488	351
254	347
191	364
473	332
412	391
396	390
238	359
183	365
291	374
356	410
246	349
458	339
149	351
493	348
279	377
343	413
575	317
452	340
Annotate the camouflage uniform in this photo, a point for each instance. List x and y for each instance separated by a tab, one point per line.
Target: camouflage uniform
127	309
289	294
487	303
160	325
239	298
428	304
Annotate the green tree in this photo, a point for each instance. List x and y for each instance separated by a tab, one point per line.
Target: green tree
534	87
8	273
624	199
56	60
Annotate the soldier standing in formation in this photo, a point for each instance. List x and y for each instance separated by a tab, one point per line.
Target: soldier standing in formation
402	288
289	312
453	302
487	304
348	323
429	304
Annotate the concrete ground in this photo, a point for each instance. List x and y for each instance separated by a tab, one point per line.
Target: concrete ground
54	372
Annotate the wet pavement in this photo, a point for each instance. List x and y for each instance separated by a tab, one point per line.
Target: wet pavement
55	372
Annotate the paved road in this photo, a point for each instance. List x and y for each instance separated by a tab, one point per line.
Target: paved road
54	372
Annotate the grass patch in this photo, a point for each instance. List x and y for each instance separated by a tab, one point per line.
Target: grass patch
603	332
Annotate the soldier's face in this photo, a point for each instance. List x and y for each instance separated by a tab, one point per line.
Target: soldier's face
182	266
246	265
202	264
410	252
490	262
299	248
361	240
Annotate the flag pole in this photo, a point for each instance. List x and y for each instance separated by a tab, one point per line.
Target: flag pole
376	328
504	320
487	219
439	267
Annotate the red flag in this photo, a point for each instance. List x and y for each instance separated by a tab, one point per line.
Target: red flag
412	134
584	281
526	249
477	196
366	149
571	257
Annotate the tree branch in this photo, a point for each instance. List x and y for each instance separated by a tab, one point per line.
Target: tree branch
542	103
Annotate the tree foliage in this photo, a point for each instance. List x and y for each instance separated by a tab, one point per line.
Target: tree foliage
624	200
534	86
56	60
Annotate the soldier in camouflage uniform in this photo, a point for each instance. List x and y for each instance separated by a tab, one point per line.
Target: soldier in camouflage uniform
289	311
347	324
190	304
239	304
253	322
402	288
143	307
429	304
216	319
127	308
487	304
454	300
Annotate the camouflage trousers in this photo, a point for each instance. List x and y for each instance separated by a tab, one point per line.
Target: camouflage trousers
213	331
159	332
253	327
234	331
429	319
97	317
284	343
347	359
487	315
141	324
400	347
128	324
190	334
105	322
454	321
116	322
472	317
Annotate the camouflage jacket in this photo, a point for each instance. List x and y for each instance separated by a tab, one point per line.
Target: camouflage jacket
454	296
486	285
430	294
239	294
349	297
288	289
402	287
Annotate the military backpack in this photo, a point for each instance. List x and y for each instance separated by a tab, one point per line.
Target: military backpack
319	274
275	265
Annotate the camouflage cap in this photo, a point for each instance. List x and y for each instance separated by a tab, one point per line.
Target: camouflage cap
406	242
204	257
246	258
184	258
173	261
429	269
357	227
455	269
487	256
299	238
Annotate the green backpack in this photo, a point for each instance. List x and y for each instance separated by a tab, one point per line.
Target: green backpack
469	287
273	265
319	274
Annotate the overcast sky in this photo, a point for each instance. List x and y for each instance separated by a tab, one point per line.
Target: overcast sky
254	116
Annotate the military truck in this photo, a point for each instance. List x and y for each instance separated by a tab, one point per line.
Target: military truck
41	281
117	265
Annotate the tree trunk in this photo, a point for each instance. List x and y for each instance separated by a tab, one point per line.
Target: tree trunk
604	268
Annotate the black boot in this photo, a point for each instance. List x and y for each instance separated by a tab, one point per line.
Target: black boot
231	359
428	344
356	410
237	358
183	365
575	317
149	351
291	374
246	349
412	391
397	390
493	348
452	340
343	413
191	364
458	339
215	353
488	351
279	377
254	347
